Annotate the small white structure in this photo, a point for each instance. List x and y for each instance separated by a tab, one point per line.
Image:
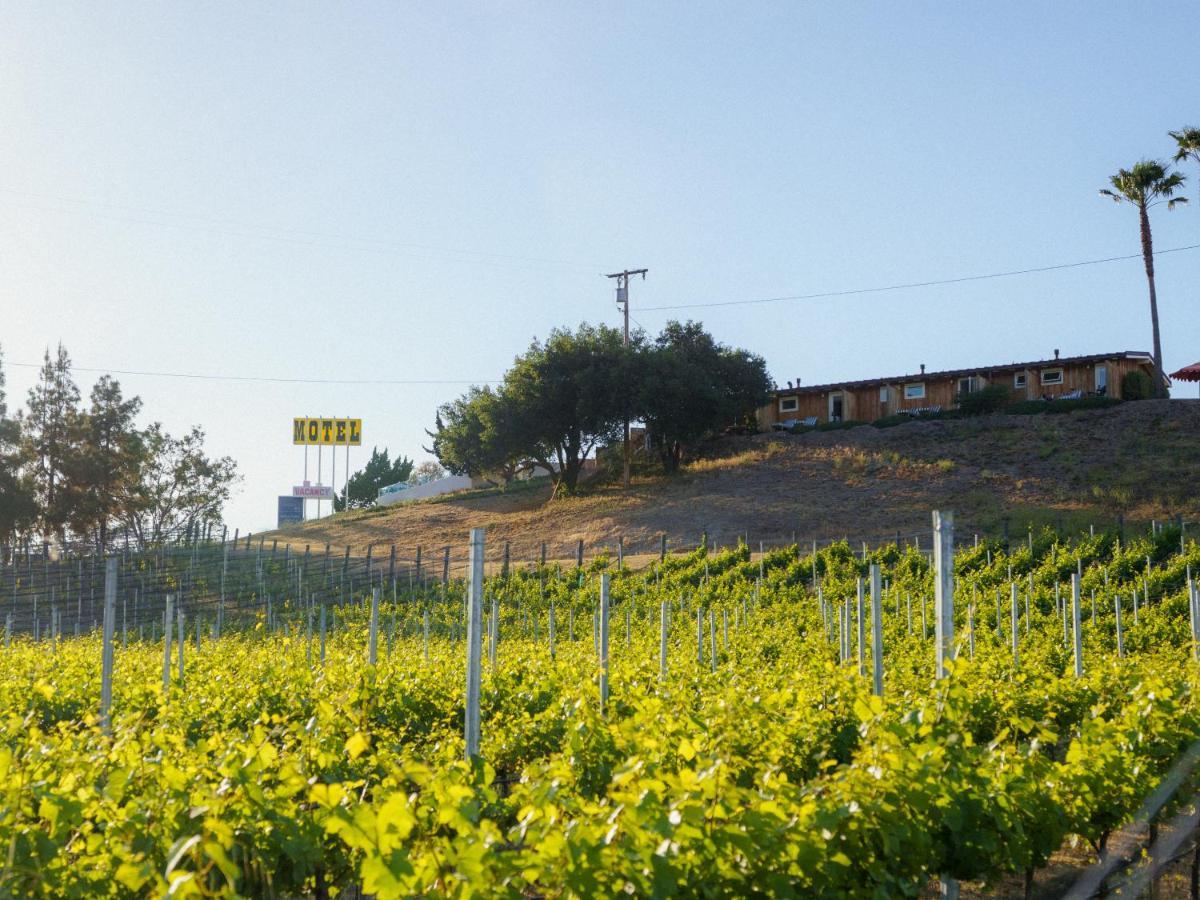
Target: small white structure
399	493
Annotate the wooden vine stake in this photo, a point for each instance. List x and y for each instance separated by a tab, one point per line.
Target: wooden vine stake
166	672
1016	653
943	612
664	612
943	589
860	628
106	661
1077	626
603	643
474	642
1120	633
876	630
1193	599
322	655
373	636
712	638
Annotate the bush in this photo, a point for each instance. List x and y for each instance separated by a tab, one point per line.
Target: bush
839	426
1136	385
1050	407
989	399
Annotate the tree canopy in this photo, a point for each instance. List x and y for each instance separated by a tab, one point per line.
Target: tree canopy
69	471
572	393
363	487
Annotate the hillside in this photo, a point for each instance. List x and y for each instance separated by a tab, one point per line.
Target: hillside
1085	467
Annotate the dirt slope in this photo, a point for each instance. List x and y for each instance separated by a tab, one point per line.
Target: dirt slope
1081	468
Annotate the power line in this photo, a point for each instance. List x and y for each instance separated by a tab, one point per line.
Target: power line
915	284
256	378
303	237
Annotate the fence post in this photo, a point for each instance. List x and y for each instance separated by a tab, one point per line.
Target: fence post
876	629
712	637
662	640
373	636
167	612
943	618
1015	613
1120	633
474	641
180	640
322	634
1077	626
603	643
943	588
106	663
1193	599
699	636
552	629
860	630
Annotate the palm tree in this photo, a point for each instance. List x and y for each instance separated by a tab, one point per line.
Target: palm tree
1188	140
1148	184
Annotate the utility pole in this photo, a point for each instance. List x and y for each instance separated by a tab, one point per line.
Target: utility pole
623	302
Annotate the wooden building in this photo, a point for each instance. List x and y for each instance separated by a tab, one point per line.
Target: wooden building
875	398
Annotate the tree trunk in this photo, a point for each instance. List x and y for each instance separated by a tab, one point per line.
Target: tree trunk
1148	259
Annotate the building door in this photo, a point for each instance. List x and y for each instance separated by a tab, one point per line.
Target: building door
835	407
1101	379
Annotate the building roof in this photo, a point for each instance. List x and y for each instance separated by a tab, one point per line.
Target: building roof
963	373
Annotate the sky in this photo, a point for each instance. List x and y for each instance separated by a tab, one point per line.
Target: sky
411	193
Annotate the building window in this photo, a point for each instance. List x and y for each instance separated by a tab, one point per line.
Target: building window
1019	380
968	385
883	395
914	392
1052	376
1101	378
789	404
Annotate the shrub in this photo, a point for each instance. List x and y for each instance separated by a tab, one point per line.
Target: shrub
1050	407
839	426
989	399
1136	385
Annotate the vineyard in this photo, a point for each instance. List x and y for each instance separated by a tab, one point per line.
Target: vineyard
220	720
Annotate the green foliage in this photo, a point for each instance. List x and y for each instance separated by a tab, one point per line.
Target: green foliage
1136	385
477	435
690	387
989	399
65	469
363	487
1052	407
564	398
269	772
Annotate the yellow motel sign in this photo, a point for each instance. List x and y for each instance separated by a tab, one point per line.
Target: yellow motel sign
327	432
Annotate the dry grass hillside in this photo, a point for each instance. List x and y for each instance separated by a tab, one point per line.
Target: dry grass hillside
1141	460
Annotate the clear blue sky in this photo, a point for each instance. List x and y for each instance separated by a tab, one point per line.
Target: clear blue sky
388	191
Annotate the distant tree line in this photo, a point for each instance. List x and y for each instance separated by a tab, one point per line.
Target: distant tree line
572	393
363	488
71	471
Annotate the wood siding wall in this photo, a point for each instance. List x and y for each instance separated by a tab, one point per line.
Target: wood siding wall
864	404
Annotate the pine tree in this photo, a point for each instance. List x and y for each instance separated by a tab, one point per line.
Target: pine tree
47	438
102	472
18	509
